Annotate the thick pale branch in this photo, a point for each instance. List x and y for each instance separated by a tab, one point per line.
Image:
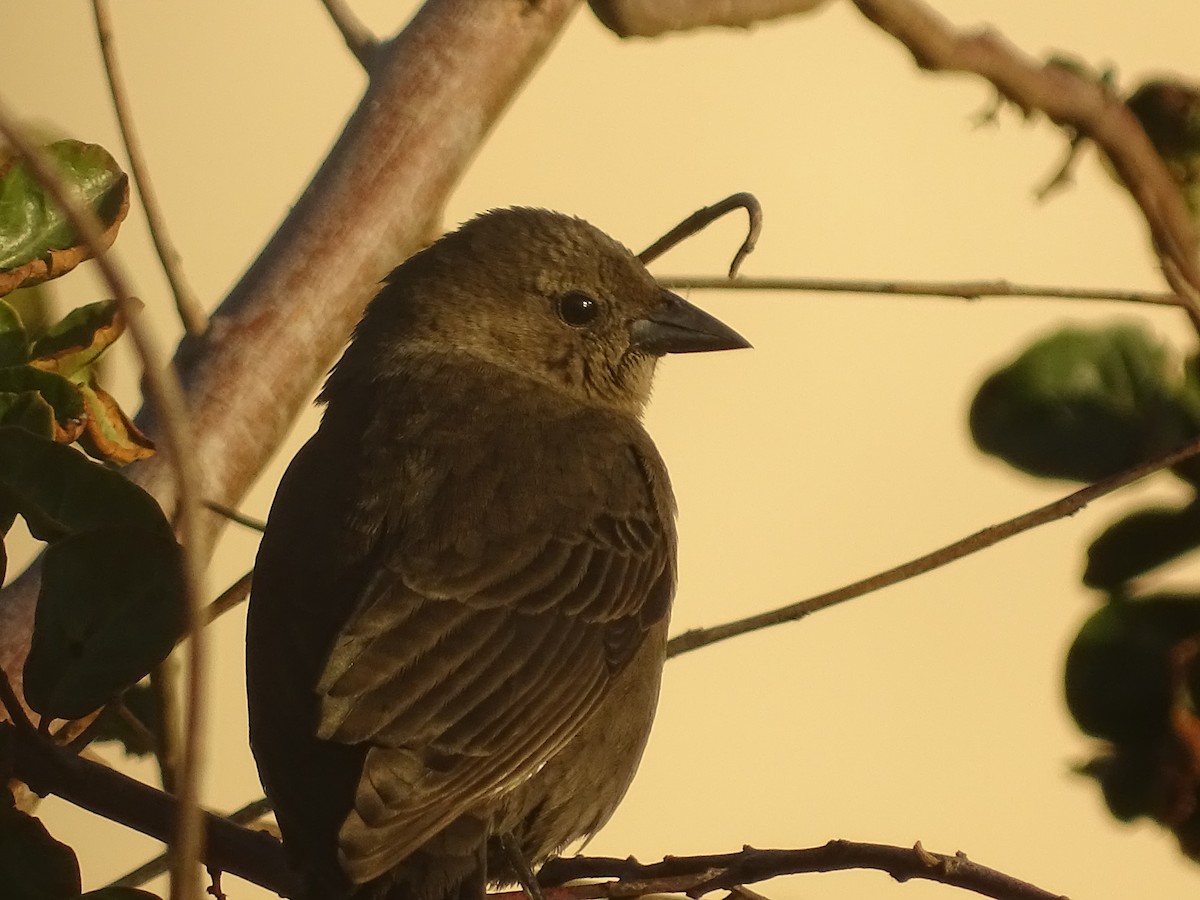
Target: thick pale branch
647	18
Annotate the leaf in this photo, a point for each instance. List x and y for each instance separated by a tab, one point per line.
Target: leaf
77	341
64	398
36	241
1119	680
14	345
1083	404
119	893
1169	110
110	610
110	435
59	491
33	306
33	865
29	411
1140	542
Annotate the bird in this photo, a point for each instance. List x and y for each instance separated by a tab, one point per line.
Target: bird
459	612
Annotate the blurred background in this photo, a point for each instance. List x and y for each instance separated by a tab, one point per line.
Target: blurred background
932	711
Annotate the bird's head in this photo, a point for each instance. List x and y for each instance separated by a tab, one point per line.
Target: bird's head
544	295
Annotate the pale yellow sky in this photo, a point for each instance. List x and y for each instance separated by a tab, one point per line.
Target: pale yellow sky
837	447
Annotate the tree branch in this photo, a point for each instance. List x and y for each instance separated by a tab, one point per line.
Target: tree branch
47	769
697	875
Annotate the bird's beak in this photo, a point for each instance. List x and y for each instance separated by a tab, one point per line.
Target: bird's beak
678	327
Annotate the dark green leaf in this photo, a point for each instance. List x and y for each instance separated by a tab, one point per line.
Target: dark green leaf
1119	681
28	411
1169	111
33	865
1083	404
33	306
110	609
1140	542
79	338
60	492
63	396
1131	779
14	345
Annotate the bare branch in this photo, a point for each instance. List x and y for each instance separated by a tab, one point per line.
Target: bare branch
994	534
253	855
1068	99
966	290
247	815
697	875
647	18
191	312
362	43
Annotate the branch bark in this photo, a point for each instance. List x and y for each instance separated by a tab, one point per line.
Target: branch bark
649	18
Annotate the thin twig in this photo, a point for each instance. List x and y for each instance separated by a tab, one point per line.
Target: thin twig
967	290
247	815
191	312
701	218
994	534
234	516
358	37
230	597
164	394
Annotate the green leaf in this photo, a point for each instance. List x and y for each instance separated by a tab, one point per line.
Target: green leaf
1140	542
33	865
1119	680
1169	110
77	341
59	491
109	611
64	397
14	344
1083	404
29	411
36	240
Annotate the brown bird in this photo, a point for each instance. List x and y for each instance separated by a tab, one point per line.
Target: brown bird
460	604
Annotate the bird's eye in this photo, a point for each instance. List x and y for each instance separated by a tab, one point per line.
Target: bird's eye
577	309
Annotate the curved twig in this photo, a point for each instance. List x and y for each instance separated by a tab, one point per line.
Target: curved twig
701	218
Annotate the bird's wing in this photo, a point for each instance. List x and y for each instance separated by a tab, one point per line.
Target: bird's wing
471	662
